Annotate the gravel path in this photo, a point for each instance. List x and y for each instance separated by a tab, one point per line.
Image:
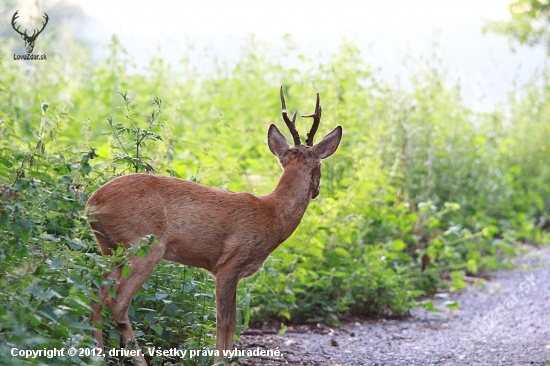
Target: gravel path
504	322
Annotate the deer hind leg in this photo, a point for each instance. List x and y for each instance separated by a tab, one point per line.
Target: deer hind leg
141	268
96	316
226	310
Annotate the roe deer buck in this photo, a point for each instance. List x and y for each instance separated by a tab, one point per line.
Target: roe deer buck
229	234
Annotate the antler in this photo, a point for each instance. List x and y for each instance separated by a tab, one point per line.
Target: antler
43	25
316	119
35	33
290	123
15	16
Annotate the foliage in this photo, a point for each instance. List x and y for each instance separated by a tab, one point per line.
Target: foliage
529	24
140	135
418	176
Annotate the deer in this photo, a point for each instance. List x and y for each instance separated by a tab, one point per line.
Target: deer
226	233
29	40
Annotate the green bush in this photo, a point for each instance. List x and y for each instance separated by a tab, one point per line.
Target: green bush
417	176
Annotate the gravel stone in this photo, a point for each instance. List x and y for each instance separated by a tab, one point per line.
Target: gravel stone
504	322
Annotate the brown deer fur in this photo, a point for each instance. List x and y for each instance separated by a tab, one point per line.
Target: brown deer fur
228	234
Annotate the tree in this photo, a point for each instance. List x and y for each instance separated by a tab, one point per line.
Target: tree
530	23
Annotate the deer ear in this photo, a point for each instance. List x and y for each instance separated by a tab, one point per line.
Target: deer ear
276	141
328	145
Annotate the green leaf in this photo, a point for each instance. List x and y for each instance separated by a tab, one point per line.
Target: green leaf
456	281
285	313
143	251
24	224
452	205
86	168
158	329
453	305
126	269
52	205
246	311
398	245
76	245
341	252
429	306
160	295
133	250
471	265
57	263
81	326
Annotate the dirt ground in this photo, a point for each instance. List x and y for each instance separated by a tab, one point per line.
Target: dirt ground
504	322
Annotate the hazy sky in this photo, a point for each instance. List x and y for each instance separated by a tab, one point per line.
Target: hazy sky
276	17
388	32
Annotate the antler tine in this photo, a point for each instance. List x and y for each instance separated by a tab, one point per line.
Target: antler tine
13	20
36	32
316	119
290	123
46	22
14	17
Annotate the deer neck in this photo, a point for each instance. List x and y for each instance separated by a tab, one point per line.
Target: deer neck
290	200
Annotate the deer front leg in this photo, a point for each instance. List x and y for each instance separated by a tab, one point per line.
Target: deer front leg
226	311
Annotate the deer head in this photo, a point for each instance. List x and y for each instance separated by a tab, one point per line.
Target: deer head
29	40
307	156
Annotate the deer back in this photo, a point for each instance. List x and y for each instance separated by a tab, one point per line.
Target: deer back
192	222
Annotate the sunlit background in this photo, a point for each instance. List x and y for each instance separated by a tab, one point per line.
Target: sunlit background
309	17
482	63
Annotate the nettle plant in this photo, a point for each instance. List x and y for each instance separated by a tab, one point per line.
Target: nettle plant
133	154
